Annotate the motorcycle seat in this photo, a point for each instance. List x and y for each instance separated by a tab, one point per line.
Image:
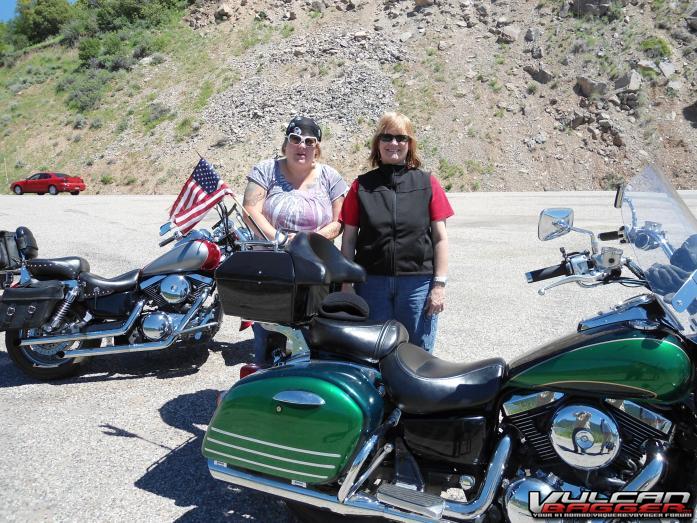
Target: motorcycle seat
420	383
366	341
67	268
96	286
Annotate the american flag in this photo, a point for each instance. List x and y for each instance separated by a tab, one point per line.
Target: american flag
201	192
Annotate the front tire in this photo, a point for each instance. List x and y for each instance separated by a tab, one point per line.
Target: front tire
52	190
74	193
42	367
18	190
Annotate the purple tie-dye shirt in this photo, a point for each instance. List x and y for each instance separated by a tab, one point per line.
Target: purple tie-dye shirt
297	209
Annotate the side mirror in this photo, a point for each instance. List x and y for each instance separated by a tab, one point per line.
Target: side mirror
619	196
165	228
554	223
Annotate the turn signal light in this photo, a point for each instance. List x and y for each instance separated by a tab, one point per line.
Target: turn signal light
248	368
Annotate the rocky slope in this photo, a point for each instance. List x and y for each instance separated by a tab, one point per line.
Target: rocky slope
505	94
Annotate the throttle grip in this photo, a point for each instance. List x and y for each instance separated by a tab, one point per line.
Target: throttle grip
607	236
166	241
547	273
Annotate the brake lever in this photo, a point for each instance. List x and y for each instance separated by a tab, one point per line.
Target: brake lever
574	278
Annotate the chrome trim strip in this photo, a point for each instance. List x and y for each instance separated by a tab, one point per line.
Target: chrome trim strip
243	449
300	398
266	466
152	281
44	340
253	440
522	403
198	277
642	414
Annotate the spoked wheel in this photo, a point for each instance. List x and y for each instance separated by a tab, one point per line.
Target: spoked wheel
41	361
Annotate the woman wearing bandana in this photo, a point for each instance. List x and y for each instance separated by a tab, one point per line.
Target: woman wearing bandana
294	193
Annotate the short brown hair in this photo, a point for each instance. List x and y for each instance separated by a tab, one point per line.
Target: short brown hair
318	148
402	122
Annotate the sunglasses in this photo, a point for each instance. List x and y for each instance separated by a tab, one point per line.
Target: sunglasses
387	138
296	139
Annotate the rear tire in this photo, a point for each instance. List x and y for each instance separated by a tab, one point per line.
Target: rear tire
52	190
74	193
42	367
18	190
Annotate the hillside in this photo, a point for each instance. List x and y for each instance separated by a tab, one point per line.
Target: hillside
505	94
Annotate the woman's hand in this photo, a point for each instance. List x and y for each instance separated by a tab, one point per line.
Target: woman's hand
435	303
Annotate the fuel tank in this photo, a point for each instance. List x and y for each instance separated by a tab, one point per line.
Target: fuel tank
616	361
301	423
184	257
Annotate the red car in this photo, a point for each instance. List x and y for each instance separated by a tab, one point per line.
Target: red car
51	183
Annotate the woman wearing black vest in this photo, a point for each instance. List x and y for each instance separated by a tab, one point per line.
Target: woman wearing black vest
394	226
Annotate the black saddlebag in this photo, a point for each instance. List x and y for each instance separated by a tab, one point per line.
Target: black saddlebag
29	307
9	254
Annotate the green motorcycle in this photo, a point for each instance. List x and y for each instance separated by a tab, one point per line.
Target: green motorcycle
353	420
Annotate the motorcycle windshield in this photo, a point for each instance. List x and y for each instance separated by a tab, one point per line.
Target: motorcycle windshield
663	235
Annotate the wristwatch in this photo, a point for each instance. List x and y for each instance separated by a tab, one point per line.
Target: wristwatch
441	280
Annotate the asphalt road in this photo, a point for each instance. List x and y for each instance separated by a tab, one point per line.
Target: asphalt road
121	442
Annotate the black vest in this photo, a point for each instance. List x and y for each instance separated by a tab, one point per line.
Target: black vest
394	235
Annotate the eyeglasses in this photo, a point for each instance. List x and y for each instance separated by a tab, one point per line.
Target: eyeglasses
296	139
387	138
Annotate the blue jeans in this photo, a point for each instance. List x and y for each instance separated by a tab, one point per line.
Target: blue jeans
402	298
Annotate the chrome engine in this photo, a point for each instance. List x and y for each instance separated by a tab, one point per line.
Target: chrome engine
574	446
170	298
584	437
175	289
157	326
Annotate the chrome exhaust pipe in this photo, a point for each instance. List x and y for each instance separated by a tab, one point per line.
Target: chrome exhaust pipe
154	345
106	333
362	504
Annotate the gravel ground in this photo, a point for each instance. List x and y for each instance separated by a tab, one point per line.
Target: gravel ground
121	442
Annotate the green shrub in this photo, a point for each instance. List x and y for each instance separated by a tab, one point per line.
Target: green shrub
130	180
96	123
157	59
38	19
655	47
154	114
106	179
89	50
286	30
448	170
80	122
84	90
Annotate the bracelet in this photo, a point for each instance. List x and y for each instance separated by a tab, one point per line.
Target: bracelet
440	279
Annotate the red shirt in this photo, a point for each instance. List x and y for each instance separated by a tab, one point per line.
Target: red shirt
439	208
